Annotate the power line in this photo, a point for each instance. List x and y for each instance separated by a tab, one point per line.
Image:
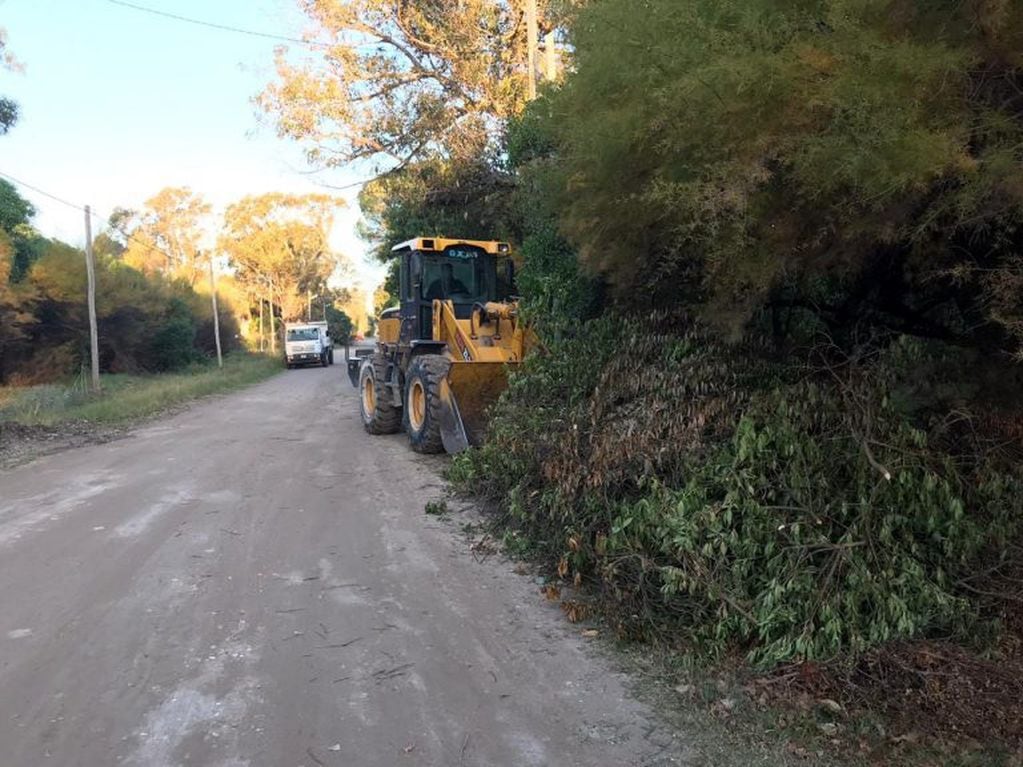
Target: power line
222	27
43	192
86	209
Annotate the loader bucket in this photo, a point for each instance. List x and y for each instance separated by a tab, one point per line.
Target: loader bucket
354	364
470	388
354	367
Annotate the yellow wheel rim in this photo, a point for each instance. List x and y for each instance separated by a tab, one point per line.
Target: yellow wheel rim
417	405
369	396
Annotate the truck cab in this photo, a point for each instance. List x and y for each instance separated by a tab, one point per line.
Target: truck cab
307	343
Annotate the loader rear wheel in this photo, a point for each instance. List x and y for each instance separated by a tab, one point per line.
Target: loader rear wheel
379	415
422	402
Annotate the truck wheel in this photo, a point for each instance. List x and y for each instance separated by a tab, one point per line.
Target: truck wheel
330	357
379	415
422	402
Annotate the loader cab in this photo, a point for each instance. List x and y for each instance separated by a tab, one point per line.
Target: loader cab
464	272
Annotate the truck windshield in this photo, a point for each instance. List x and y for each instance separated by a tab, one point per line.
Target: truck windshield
303	334
459	278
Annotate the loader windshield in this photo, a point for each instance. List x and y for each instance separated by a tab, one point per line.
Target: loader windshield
458	274
302	334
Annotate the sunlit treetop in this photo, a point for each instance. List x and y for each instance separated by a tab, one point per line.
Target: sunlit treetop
402	80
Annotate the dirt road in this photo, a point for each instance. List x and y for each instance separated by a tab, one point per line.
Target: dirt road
254	582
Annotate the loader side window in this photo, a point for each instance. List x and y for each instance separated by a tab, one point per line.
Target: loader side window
406	280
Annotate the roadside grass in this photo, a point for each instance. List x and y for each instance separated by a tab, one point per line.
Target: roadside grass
127	397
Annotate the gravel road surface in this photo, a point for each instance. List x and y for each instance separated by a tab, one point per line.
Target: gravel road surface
253	581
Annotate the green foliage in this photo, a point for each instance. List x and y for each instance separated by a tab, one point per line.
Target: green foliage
556	295
339	324
715	497
773	252
8	114
715	151
15	210
16	214
792	542
464	196
436	508
173	345
8	108
145	323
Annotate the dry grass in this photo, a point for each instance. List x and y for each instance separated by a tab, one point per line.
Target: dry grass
126	397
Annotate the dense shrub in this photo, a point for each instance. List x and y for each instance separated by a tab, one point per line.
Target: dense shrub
173	345
146	323
744	147
715	496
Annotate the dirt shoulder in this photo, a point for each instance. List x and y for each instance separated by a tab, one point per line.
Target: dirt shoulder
45	419
20	444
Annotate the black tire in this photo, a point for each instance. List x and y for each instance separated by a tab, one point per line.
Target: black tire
330	357
379	416
422	419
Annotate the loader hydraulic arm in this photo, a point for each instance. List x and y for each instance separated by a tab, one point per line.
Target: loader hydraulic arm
491	334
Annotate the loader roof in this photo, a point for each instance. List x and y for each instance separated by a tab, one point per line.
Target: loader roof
438	244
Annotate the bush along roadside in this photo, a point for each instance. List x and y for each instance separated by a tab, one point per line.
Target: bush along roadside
717	501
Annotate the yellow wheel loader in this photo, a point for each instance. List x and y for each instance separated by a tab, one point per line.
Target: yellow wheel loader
442	355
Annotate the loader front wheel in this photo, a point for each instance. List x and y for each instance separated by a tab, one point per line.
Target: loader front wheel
379	415
422	402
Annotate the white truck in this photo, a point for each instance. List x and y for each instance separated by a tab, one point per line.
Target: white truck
307	343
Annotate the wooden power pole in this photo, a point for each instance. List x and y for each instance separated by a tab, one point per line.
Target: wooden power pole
273	323
550	56
531	46
216	313
90	271
262	339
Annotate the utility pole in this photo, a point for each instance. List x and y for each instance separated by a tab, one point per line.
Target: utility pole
216	313
273	324
550	55
309	305
262	337
531	45
90	271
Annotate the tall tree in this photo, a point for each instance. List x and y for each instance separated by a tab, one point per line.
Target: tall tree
24	241
402	80
855	158
8	108
15	210
15	306
279	246
113	240
168	233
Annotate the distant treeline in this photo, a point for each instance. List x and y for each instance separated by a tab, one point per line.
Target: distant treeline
147	322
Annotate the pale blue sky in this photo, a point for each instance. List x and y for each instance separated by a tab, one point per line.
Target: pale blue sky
117	104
